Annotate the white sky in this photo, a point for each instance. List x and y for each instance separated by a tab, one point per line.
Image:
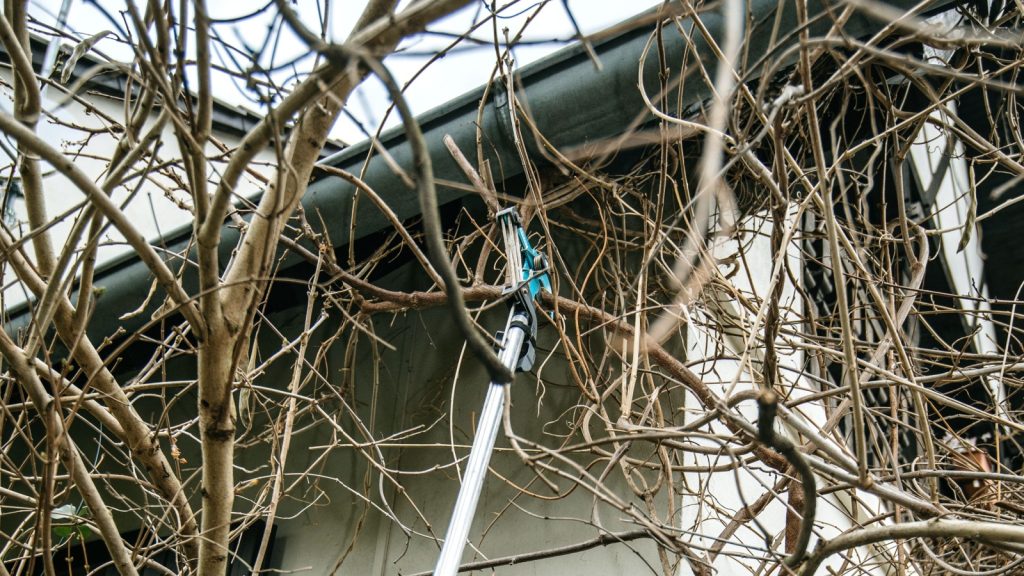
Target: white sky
443	80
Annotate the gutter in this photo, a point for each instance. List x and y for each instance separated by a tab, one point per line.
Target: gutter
571	102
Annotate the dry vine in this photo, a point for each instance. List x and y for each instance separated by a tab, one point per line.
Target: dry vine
748	293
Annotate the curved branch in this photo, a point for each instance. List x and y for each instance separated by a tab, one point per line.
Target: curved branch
390	215
988	532
767	406
27	110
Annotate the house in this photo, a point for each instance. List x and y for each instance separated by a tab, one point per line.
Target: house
386	399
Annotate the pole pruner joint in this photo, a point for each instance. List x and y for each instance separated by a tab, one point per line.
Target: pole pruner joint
526	287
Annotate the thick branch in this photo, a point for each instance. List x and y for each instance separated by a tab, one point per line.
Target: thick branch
27	109
988	532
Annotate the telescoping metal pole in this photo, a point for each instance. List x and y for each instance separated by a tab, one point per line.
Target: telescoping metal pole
516	333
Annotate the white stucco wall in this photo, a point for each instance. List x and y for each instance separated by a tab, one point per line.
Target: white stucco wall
731	359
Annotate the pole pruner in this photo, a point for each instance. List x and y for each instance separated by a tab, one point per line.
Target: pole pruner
526	276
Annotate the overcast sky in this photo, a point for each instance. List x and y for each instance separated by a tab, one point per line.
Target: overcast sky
443	80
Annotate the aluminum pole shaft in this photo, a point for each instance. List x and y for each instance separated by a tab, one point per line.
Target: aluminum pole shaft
480	455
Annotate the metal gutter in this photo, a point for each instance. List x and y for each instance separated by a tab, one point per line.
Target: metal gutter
571	103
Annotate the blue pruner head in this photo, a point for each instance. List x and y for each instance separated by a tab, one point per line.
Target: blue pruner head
535	267
535	264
